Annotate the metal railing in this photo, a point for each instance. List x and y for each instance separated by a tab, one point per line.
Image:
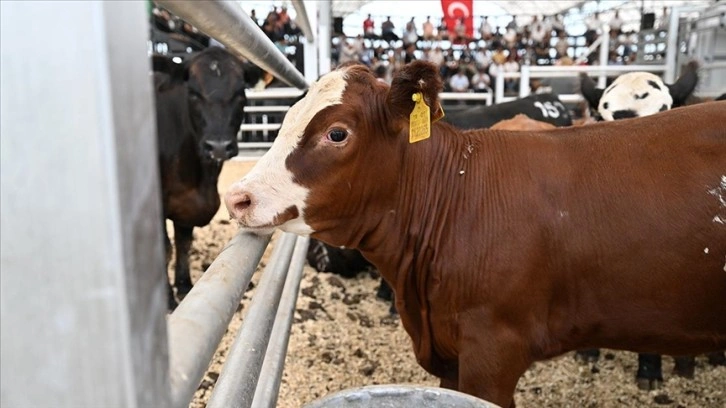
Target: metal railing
226	22
198	324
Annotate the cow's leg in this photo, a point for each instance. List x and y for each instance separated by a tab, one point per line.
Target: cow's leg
171	301
183	243
650	374
685	366
385	292
588	355
717	358
491	364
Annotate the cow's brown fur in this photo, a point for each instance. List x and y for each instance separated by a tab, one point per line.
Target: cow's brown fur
505	248
522	122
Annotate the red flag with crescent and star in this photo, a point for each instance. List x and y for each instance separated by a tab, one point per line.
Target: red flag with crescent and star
456	9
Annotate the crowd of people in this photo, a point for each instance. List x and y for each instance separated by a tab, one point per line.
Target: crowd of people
471	63
468	63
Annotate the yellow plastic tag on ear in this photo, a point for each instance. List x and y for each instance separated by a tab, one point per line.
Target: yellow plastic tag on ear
420	120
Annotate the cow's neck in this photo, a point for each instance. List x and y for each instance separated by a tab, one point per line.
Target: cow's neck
432	180
404	242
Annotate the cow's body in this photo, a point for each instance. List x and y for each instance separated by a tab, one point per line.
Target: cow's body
505	248
540	107
639	94
199	108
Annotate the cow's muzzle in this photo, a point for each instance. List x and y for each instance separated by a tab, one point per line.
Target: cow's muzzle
219	151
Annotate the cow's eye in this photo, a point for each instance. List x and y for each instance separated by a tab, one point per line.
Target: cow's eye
194	96
337	135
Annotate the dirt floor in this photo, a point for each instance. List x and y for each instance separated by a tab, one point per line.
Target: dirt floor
344	337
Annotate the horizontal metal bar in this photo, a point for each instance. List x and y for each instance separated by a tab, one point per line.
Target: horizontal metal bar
467	96
227	22
713	65
199	322
274	93
254	145
271	373
250	127
264	109
238	379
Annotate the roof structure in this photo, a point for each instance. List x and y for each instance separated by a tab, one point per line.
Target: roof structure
342	8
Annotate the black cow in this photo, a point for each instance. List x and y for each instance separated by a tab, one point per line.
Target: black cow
199	107
541	107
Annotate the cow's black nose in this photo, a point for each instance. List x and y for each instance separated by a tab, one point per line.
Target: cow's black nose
220	150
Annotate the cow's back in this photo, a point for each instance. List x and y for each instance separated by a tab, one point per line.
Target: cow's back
630	216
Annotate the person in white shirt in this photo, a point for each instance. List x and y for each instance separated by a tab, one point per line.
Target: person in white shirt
616	23
436	56
562	45
511	65
537	33
481	81
485	29
558	24
459	81
593	24
428	29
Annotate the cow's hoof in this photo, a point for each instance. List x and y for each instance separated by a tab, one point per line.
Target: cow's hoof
685	372
716	359
183	289
171	303
685	367
587	356
648	384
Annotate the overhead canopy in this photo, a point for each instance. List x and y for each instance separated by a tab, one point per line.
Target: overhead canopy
342	8
546	8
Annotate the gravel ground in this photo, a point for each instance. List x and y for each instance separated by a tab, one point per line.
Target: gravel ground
343	337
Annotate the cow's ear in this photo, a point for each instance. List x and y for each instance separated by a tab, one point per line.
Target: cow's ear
590	91
684	85
177	72
418	76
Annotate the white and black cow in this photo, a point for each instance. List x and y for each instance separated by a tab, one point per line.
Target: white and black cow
638	94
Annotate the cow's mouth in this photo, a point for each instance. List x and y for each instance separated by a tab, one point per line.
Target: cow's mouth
290	213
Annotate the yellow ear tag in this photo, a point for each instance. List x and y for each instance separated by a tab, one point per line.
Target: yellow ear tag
420	120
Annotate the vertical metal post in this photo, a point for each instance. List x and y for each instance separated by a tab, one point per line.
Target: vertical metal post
324	25
669	76
524	86
499	85
311	50
604	54
82	259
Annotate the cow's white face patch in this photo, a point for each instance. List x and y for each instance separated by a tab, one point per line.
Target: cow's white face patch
274	187
635	94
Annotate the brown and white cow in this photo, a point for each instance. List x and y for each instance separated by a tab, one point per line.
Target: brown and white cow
505	248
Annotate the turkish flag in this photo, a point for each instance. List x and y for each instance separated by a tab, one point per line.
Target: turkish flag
456	9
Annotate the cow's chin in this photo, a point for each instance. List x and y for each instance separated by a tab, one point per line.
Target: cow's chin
288	220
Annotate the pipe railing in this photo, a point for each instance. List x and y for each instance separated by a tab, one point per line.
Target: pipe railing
239	377
527	72
303	21
197	325
226	22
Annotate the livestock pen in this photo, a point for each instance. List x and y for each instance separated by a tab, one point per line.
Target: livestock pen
84	314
